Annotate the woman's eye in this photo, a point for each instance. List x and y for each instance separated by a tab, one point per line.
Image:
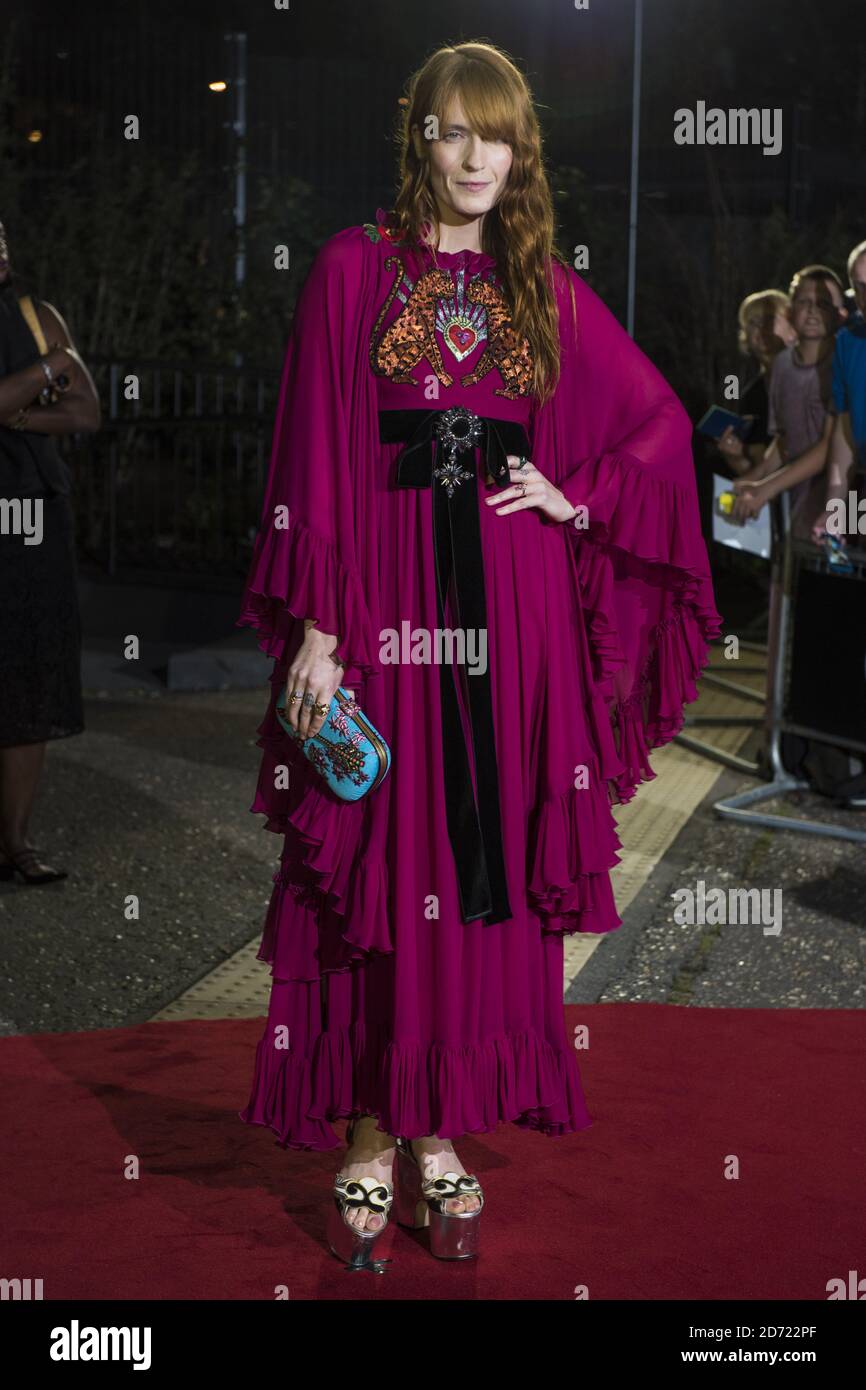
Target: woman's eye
454	135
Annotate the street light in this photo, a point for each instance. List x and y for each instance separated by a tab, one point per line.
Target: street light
635	145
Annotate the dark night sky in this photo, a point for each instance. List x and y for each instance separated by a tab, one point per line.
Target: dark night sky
325	77
324	82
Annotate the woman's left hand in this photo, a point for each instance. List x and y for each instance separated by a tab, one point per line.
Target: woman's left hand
530	488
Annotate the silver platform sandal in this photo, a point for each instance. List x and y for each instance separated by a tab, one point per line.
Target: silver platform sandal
355	1248
453	1235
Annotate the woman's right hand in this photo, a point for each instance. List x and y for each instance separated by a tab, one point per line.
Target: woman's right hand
314	676
730	444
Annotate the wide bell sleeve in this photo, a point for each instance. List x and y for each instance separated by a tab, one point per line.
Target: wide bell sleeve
617	442
307	559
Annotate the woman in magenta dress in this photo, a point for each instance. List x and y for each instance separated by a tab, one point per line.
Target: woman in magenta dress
415	936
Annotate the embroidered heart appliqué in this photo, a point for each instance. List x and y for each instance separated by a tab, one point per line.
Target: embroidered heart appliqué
461	339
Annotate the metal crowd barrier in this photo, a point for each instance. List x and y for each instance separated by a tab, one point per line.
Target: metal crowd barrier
823	721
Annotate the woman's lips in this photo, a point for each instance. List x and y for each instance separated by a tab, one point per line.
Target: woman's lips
473	187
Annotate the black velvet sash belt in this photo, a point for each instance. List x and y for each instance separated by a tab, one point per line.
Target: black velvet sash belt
475	832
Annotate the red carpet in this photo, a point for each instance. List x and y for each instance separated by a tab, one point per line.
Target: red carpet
637	1207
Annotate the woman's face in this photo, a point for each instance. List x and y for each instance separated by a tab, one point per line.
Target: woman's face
814	309
755	341
762	338
467	174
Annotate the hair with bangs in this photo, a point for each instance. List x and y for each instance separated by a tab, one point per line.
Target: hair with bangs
518	229
817	274
762	308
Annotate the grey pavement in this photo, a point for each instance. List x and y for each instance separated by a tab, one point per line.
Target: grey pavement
231	663
818	959
187	639
153	800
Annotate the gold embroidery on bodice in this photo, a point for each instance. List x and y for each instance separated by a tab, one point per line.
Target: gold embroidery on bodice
464	315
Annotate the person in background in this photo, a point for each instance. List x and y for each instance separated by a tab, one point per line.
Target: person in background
847	457
417	961
43	393
799	418
854	314
765	330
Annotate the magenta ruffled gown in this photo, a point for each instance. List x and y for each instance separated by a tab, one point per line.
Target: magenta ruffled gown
384	1000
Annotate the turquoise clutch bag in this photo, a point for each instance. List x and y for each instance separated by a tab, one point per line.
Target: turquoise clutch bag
347	751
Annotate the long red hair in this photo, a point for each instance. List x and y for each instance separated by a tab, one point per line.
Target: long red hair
518	230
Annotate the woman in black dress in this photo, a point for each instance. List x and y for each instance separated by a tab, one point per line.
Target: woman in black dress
44	391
